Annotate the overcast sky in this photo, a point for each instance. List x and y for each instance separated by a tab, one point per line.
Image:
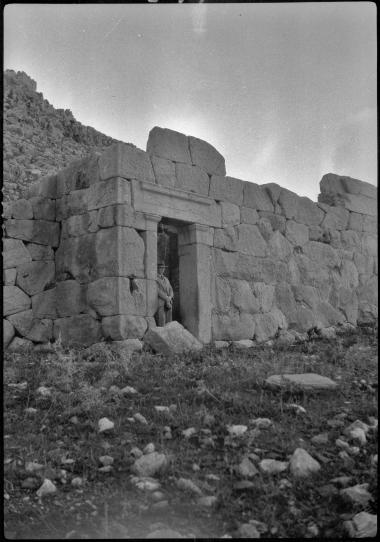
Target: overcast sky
286	92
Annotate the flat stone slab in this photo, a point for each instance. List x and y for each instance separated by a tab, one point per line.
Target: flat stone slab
305	381
172	338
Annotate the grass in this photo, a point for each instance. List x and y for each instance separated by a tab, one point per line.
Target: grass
227	386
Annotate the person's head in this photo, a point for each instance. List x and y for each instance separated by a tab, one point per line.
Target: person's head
161	268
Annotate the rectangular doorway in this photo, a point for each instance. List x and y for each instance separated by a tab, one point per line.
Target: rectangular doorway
167	252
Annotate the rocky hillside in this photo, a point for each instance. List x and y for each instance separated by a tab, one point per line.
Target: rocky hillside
39	139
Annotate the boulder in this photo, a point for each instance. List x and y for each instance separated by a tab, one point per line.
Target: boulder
302	464
273	466
15	300
14	253
302	381
243	343
357	494
122	326
168	144
126	161
150	464
227	189
171	338
362	525
8	332
206	156
192	179
18	344
126	348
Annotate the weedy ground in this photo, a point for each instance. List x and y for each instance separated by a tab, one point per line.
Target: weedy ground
227	384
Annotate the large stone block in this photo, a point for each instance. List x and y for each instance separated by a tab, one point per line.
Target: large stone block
44	304
77	225
274	191
116	251
284	298
336	218
368	299
45	187
363	264
350	239
9	276
70	178
192	179
338	184
361	204
233	326
277	221
230	214
309	213
109	296
347	302
172	338
264	294
123	160
221	294
370	224
206	156
327	315
289	202
15	300
226	189
257	198
110	192
265	228
124	326
266	326
21	209
279	246
248	216
355	221
78	330
226	238
164	171
41	331
43	208
250	240
369	244
311	273
242	297
14	253
40	252
70	298
297	234
249	267
8	333
306	295
349	274
42	232
20	345
168	144
22	321
34	277
321	253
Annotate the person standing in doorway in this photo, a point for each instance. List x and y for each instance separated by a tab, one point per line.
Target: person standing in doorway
165	297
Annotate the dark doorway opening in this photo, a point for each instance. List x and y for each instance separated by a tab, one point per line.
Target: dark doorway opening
167	251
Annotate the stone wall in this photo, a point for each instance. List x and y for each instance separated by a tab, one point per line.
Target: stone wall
78	253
